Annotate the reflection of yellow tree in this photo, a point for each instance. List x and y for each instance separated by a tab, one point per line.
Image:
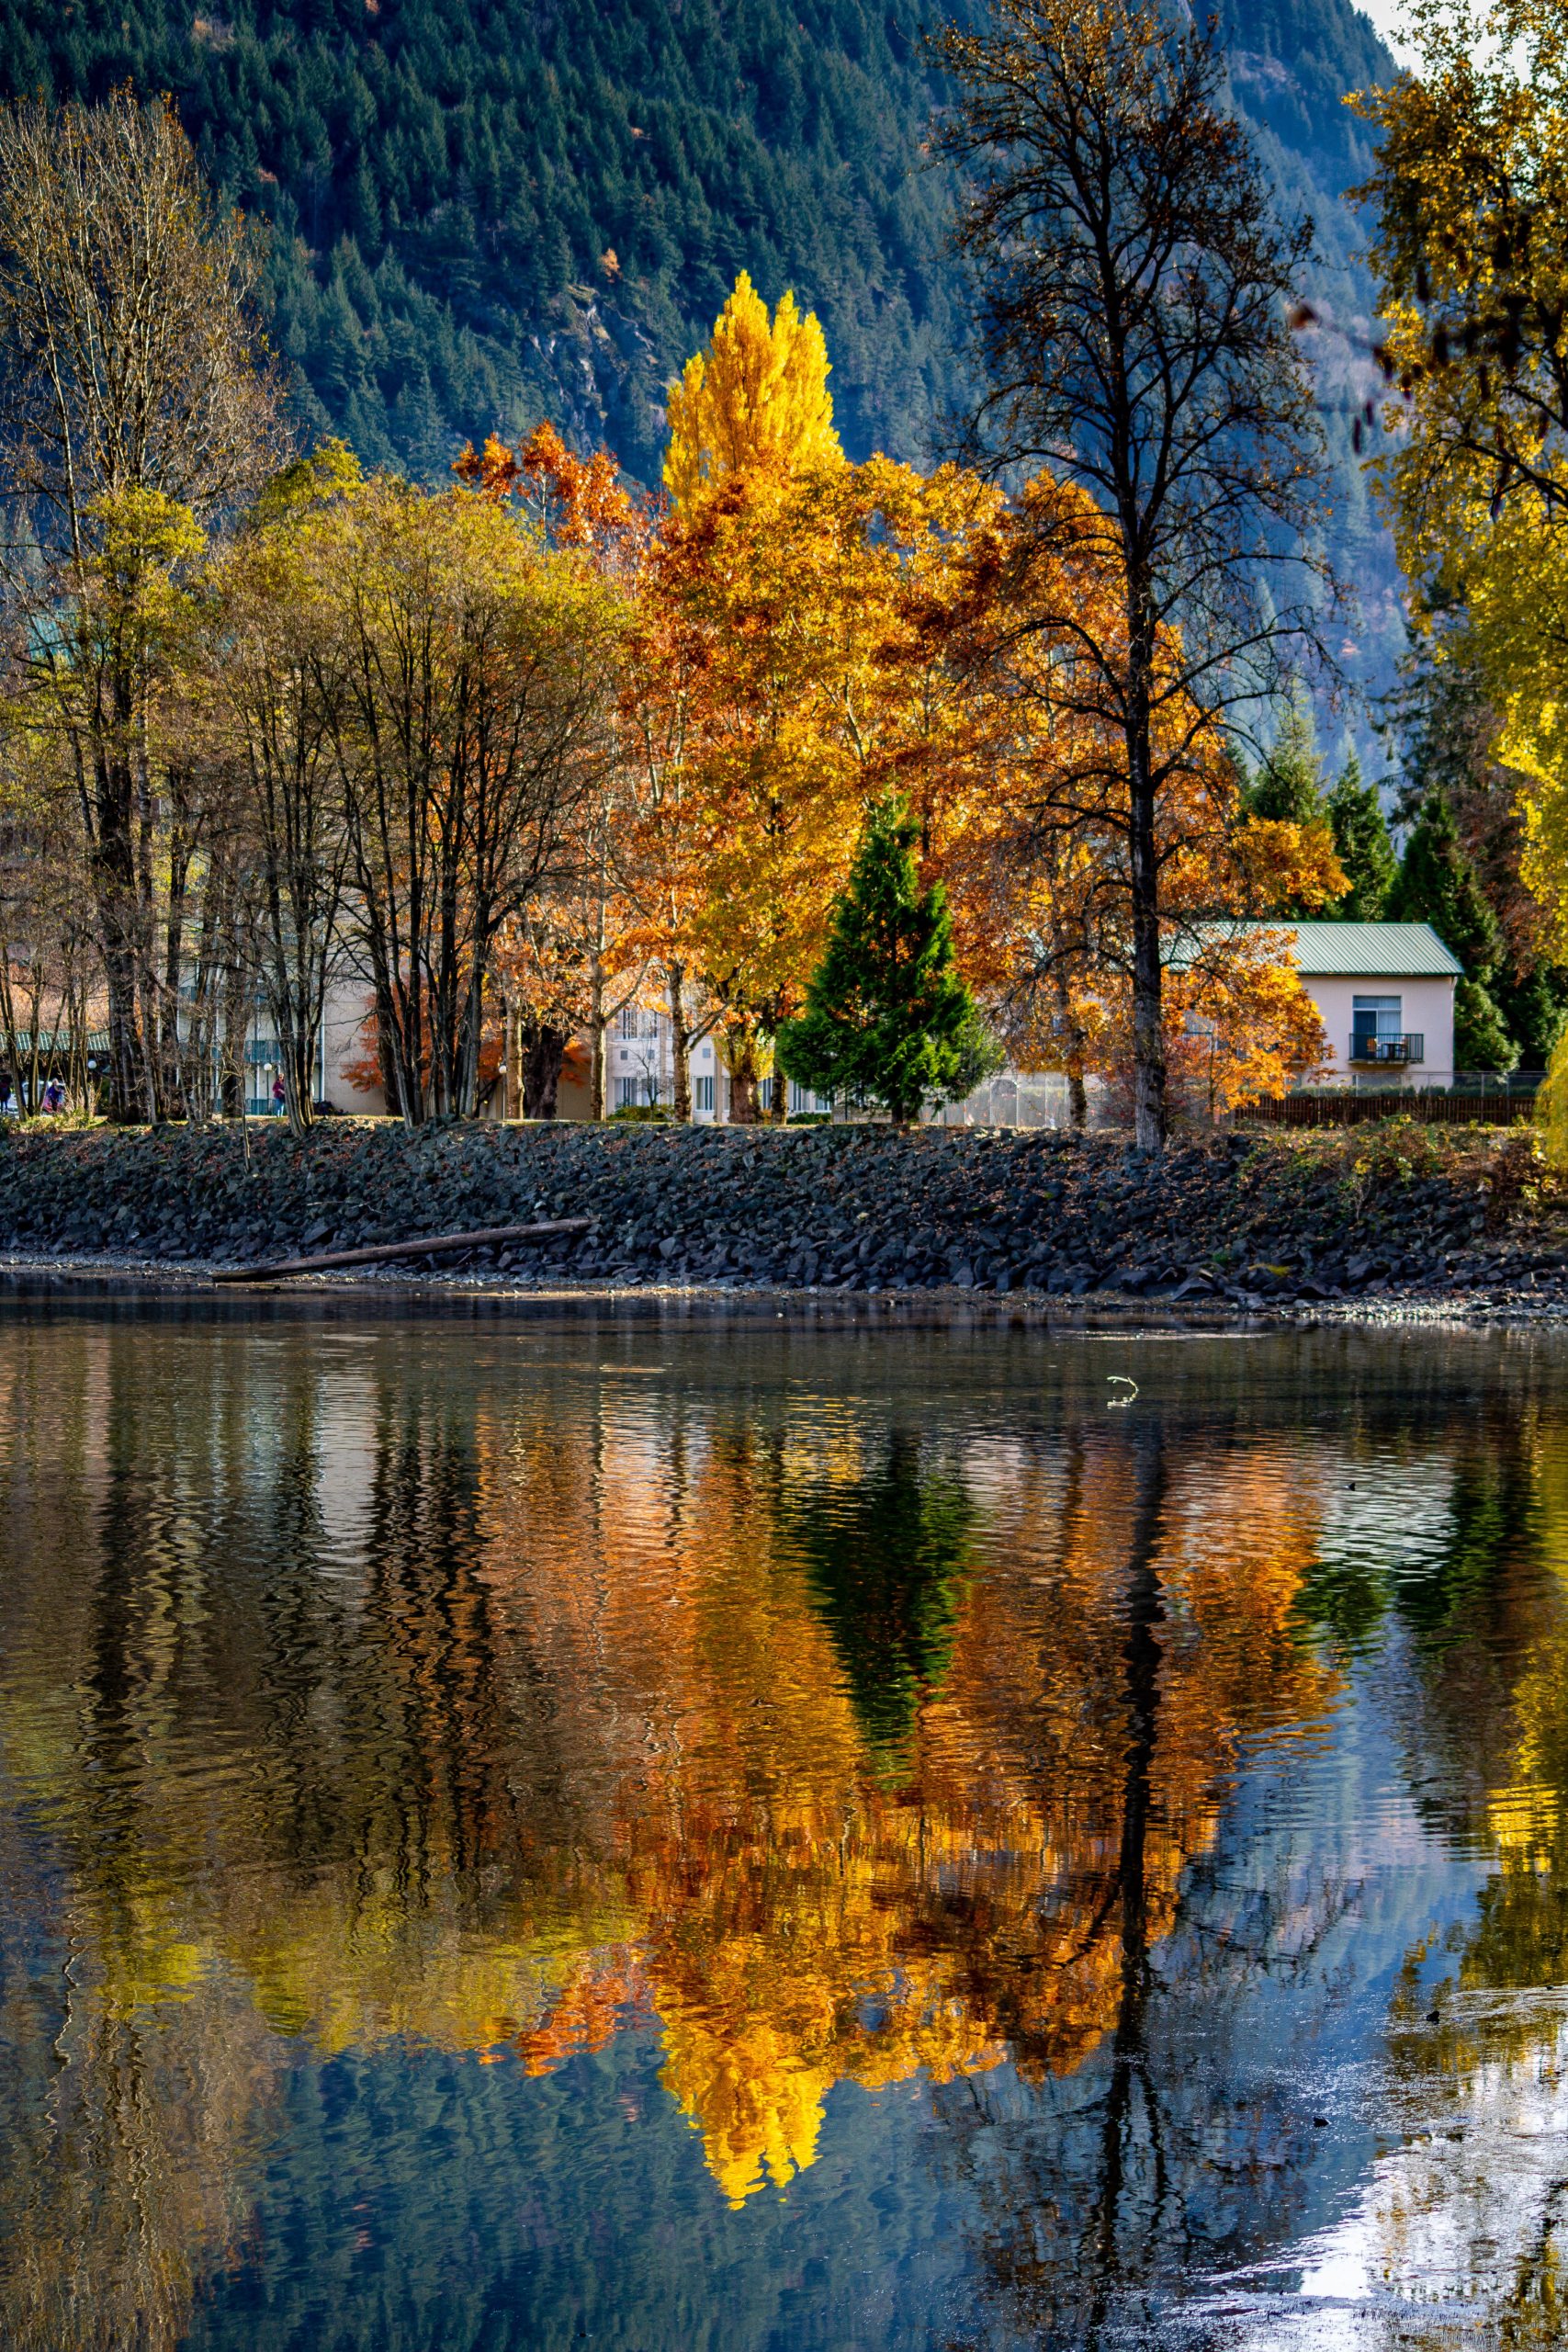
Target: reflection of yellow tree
587	1741
804	1922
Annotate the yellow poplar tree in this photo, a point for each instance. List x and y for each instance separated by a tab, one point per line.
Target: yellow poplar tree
757	397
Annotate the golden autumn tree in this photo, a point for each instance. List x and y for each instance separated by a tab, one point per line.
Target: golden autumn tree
805	662
756	400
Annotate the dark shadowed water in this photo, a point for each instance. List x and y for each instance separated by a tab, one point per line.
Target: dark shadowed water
587	1829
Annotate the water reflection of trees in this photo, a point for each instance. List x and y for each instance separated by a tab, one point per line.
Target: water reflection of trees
405	1704
1462	2222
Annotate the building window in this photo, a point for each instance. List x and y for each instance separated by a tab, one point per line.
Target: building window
629	1020
626	1091
1377	1024
702	1094
801	1098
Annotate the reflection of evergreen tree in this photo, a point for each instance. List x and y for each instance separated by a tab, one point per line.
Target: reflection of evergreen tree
1489	1504
884	1558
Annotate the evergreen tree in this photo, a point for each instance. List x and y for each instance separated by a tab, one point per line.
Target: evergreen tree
1534	1006
1287	786
888	1017
1437	883
1481	1036
1361	839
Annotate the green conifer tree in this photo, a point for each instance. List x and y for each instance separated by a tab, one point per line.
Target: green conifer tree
888	1017
1287	786
1437	883
1361	838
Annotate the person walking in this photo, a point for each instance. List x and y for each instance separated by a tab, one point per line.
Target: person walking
280	1094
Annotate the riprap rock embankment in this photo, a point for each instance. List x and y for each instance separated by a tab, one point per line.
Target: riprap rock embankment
1238	1218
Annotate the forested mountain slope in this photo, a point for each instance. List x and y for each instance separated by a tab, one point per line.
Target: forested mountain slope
485	210
487	207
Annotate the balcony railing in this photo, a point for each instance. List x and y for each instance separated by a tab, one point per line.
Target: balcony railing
1382	1051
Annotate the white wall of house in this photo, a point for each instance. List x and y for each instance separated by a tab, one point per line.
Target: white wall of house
345	1040
639	1067
1426	1011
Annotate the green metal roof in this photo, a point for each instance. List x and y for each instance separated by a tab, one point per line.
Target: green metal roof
55	1042
1362	950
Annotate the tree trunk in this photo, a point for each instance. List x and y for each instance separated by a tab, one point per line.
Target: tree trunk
511	1058
1072	1039
1148	1033
596	1041
544	1050
113	886
231	1083
679	1043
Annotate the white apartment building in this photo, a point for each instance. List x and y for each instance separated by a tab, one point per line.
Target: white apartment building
1385	993
640	1060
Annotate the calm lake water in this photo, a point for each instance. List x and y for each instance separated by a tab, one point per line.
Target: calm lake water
561	1829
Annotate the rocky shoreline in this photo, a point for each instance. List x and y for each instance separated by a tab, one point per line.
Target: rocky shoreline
1371	1219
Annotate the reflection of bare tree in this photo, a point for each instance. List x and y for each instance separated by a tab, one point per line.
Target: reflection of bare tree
131	2127
1101	2184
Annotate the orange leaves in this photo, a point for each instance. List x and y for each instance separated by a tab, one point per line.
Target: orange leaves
1238	1022
1284	864
580	503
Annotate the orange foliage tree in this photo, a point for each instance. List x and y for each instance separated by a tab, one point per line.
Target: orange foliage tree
1044	633
807	636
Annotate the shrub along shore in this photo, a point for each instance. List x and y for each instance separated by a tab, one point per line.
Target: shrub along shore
1238	1219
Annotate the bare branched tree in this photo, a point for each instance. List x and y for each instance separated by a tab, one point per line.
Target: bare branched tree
475	722
1134	337
276	701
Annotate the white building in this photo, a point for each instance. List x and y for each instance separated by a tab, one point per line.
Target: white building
639	1068
1385	993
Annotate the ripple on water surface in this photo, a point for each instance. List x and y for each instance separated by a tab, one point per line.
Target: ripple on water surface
655	1831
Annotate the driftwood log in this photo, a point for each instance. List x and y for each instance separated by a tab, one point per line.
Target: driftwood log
429	1245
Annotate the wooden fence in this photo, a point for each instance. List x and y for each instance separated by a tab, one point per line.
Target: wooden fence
1349	1109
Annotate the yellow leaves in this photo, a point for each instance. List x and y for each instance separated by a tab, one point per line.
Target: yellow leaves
1283	863
331	470
755	2099
756	400
144	531
1510	572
